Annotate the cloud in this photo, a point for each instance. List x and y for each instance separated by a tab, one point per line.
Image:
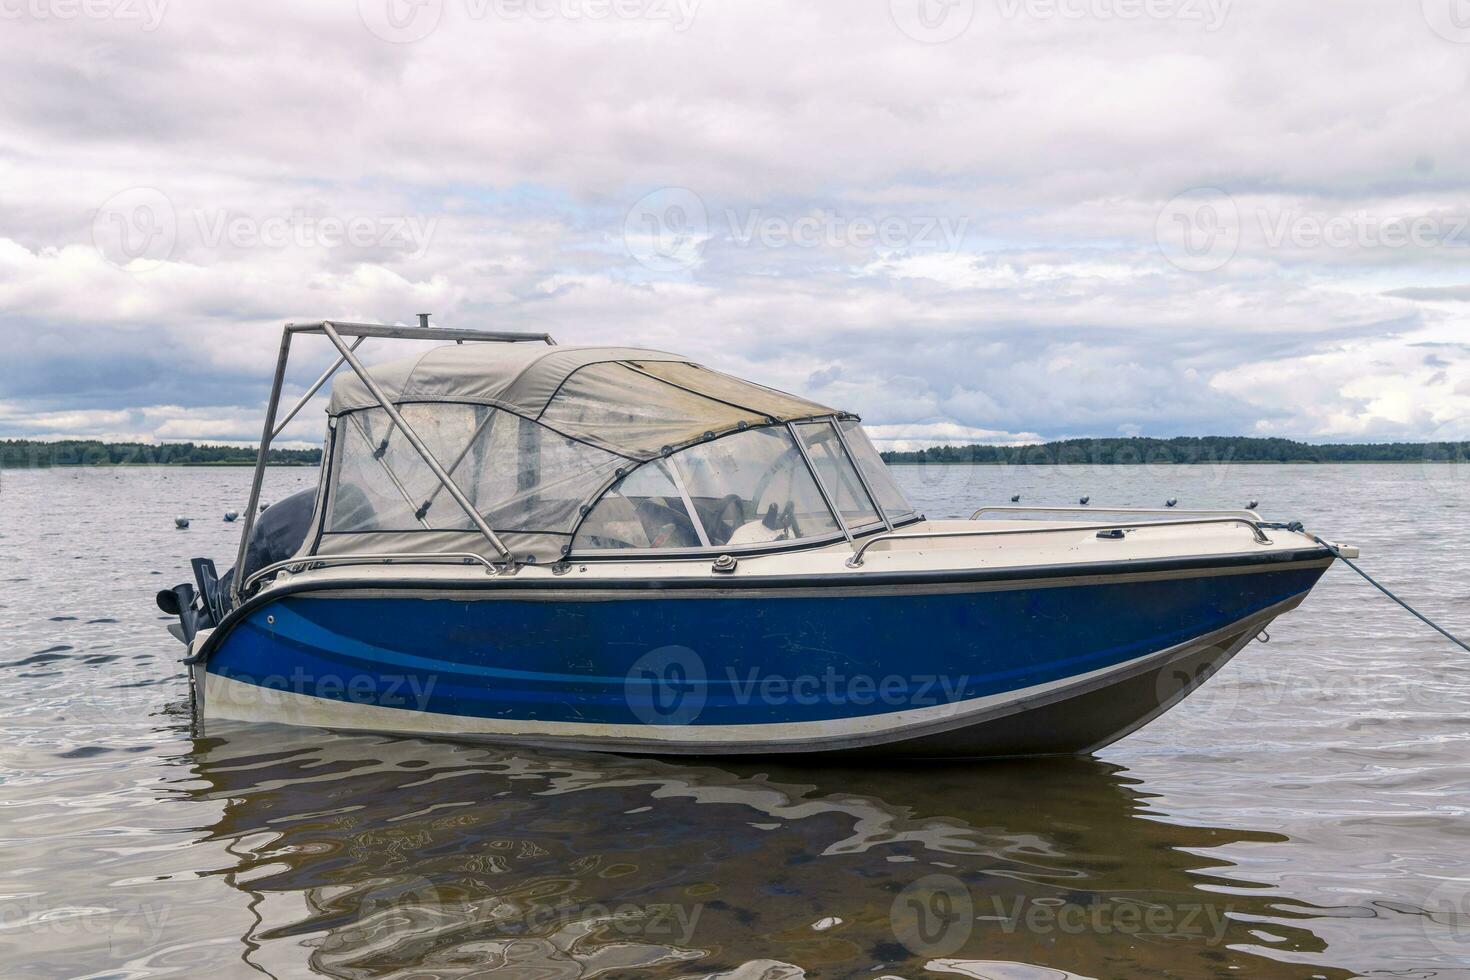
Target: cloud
972	236
1452	294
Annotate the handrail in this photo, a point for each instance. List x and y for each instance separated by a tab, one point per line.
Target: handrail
1003	508
408	557
856	560
456	334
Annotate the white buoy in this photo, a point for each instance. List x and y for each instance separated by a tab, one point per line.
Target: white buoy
263	507
231	515
181	523
1252	505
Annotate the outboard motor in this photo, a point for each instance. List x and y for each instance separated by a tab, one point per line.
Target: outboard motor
276	536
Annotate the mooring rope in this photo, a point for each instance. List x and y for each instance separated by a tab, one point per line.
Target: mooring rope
1388	592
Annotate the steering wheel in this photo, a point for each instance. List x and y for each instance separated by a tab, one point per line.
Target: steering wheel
722	526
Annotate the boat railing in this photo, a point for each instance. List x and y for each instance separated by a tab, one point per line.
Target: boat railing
856	560
398	558
1008	509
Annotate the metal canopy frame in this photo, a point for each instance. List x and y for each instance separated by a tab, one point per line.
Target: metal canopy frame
334	332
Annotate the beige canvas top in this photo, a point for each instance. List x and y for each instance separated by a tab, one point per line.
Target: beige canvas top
630	401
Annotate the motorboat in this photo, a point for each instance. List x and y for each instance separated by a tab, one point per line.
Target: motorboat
621	549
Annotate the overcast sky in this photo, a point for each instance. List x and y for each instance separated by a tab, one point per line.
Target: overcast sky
991	220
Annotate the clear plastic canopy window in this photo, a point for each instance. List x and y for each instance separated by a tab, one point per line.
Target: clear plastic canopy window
631	453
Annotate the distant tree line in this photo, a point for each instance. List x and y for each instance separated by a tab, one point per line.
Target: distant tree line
25	453
1188	449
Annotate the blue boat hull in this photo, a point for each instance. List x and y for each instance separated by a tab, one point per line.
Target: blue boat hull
932	669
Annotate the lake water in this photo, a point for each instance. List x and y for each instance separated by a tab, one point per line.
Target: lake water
1303	815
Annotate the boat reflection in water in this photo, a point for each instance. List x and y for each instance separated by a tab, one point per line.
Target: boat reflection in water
372	856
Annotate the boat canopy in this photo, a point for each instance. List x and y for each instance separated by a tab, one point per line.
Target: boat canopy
584	449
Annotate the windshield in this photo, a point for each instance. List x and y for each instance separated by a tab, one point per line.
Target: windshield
895	506
838	474
749	488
